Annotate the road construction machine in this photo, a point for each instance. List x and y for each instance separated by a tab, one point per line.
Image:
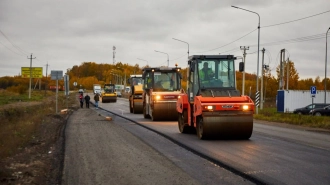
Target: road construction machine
135	94
213	106
161	89
109	94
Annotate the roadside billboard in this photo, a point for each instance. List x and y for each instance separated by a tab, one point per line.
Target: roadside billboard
36	72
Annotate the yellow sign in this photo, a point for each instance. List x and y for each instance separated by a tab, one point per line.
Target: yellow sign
36	72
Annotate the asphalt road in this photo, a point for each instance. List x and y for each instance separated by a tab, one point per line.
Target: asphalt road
273	155
98	151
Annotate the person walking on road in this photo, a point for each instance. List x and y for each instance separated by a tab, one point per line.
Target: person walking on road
97	99
81	100
87	98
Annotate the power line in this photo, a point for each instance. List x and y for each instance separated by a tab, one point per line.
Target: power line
253	52
11	50
18	48
276	64
295	20
222	45
269	56
229	42
178	57
265	27
234	49
288	53
299	39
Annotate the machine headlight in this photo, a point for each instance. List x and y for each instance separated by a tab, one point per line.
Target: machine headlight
157	97
208	107
179	97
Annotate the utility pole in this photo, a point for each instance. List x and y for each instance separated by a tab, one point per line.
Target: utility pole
326	58
244	55
281	86
30	74
287	74
280	81
46	77
267	70
113	55
283	65
262	80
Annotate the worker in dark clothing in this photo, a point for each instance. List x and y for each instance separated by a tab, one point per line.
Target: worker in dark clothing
87	99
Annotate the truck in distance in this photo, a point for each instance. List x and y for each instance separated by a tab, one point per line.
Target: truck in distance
97	89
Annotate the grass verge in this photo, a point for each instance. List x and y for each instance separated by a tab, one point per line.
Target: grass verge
20	121
7	97
271	114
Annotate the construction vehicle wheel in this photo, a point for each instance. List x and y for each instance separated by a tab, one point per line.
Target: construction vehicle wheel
200	128
130	107
136	109
183	127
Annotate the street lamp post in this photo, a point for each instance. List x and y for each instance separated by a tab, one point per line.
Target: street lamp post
183	42
124	75
144	60
326	57
113	78
257	89
167	57
187	57
116	77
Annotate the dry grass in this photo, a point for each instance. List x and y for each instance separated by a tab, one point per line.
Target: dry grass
20	120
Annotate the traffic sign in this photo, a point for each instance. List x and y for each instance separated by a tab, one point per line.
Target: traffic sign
56	75
313	89
36	72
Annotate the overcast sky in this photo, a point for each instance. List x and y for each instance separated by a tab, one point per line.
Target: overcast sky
65	33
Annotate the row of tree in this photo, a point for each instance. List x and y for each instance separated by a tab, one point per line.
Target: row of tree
89	73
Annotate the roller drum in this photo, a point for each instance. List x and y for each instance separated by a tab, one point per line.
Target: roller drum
164	111
137	106
238	126
109	99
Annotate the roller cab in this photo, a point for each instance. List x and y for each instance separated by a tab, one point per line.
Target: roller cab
212	105
161	89
135	96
